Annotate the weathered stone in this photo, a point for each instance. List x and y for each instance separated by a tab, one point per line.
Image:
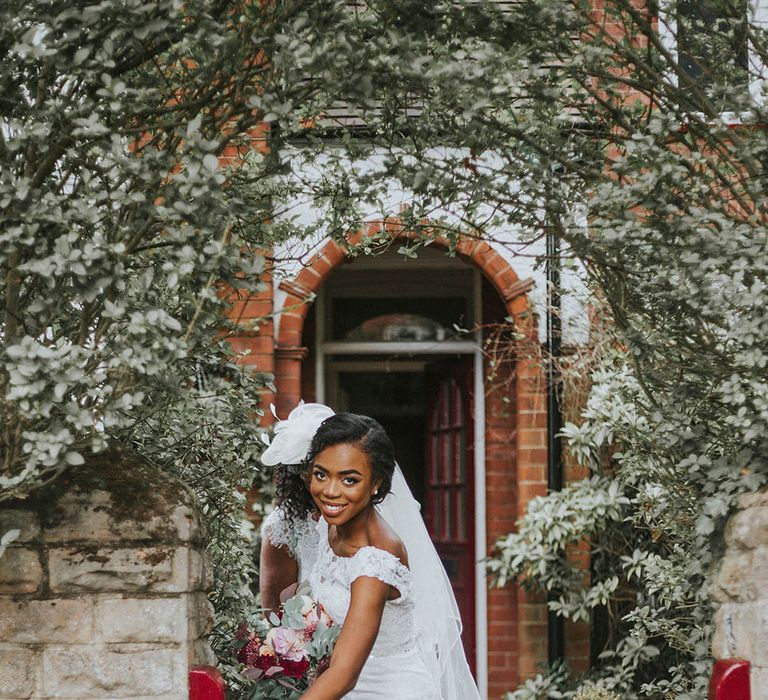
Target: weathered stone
93	517
20	571
200	571
723	640
758	677
756	499
188	524
748	528
20	519
105	570
200	653
85	517
728	583
18	672
120	542
741	576
116	496
111	671
142	619
741	632
49	621
200	614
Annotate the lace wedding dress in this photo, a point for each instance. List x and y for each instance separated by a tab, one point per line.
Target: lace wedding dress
300	538
395	667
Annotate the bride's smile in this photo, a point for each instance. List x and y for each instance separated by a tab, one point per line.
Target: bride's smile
342	483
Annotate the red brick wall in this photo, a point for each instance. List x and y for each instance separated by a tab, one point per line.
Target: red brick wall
501	458
252	313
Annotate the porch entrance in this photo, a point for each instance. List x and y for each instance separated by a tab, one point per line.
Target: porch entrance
395	339
425	407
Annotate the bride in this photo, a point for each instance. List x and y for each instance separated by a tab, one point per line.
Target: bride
376	571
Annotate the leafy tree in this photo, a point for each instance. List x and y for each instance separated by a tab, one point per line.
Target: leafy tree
142	184
587	124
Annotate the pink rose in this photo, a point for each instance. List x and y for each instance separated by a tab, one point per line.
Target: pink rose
287	643
314	614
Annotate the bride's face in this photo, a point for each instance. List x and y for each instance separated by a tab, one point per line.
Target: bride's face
342	483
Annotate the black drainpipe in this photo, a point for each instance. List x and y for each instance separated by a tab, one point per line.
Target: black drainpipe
556	629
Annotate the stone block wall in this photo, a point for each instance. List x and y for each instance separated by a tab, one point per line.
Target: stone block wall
741	588
103	593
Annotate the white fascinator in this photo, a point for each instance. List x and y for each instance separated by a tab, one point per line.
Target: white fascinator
293	436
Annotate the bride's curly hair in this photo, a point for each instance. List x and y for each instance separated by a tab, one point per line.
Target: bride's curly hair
365	433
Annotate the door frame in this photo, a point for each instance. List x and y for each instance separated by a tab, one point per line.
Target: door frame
323	350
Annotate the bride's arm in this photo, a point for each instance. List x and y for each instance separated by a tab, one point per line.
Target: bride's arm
277	570
278	564
355	641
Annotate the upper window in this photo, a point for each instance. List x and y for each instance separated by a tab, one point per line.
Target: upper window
391	299
712	48
714	44
398	328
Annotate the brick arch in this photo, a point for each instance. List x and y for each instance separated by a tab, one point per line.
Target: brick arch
516	456
479	253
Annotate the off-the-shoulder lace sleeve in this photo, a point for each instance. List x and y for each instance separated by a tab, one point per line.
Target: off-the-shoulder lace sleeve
380	564
281	530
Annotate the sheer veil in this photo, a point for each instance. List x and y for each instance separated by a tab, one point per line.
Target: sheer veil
438	623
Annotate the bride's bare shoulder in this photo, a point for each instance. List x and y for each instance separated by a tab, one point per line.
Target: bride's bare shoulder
382	536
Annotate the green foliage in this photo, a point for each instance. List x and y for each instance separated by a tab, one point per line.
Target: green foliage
595	692
122	240
534	554
585	124
111	262
117	231
209	439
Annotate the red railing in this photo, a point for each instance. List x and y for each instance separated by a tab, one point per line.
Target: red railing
206	683
730	680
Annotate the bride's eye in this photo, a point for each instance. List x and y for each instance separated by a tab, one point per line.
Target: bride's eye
317	474
350	480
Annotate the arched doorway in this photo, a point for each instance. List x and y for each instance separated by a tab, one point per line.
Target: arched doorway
398	339
397	334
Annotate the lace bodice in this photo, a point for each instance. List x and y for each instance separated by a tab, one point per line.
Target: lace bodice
331	580
299	537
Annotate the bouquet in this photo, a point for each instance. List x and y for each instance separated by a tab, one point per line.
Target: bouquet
284	652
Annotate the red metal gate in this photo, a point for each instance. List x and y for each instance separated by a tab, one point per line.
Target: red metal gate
206	683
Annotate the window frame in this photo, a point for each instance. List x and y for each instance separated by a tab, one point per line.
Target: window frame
757	71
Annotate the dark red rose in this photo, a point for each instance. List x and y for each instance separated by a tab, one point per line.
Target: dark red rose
295	669
266	661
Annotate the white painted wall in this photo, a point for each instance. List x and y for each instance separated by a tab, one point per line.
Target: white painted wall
511	242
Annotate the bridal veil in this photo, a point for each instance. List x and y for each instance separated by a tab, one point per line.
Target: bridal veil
438	622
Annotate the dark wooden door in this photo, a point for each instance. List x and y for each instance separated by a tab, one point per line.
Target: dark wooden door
449	484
